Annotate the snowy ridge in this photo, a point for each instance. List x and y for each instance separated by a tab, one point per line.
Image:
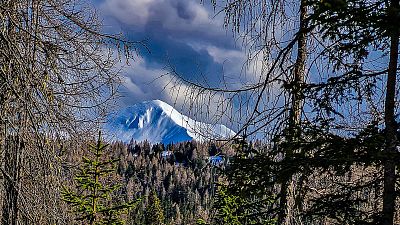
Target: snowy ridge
156	121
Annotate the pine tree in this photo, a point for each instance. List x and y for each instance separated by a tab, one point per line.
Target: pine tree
92	201
154	211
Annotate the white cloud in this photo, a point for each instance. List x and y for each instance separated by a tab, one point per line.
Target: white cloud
127	11
238	69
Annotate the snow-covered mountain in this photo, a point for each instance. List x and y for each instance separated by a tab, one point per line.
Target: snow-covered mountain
156	121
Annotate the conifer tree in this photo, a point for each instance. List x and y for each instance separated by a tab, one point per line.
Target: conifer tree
92	201
154	211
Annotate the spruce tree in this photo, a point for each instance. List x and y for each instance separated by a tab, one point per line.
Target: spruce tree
154	211
91	200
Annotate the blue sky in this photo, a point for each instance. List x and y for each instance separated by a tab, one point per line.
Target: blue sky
181	33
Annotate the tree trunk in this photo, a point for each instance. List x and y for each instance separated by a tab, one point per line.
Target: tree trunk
299	69
286	213
12	143
12	148
389	192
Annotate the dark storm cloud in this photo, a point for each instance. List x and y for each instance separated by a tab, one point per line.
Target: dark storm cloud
179	32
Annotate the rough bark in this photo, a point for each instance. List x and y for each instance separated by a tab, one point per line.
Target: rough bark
389	191
299	70
286	214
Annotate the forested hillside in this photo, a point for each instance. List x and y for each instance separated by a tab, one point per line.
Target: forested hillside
182	177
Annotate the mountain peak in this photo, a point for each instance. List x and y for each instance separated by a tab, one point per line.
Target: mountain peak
157	121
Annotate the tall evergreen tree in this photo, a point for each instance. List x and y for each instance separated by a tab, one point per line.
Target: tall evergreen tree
154	212
92	200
